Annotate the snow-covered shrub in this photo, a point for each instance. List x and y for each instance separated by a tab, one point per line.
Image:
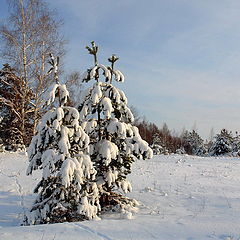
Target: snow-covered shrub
67	191
222	144
114	142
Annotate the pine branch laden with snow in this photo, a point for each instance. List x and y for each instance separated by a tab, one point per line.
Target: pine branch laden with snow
114	142
67	191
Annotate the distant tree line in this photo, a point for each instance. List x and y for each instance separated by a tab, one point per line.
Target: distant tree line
164	141
159	136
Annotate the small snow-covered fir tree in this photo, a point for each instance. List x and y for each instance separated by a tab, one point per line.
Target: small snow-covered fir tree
236	144
193	143
157	144
114	142
222	144
67	191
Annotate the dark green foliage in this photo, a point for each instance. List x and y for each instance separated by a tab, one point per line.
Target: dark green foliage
16	110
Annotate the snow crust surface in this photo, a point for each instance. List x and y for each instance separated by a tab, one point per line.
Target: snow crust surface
180	196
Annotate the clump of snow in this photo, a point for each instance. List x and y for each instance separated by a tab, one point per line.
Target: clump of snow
111	177
107	107
119	77
90	125
107	151
87	209
117	127
93	73
56	90
126	186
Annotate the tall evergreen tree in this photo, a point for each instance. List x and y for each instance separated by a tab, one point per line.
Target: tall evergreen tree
67	191
114	142
16	122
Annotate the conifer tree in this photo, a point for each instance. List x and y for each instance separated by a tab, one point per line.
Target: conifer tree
222	144
67	191
157	144
193	143
114	142
236	144
16	109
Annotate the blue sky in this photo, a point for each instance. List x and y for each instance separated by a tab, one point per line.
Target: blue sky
181	58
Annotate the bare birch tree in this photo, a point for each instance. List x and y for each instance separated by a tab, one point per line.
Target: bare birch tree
27	37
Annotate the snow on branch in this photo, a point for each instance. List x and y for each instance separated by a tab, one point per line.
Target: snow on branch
93	73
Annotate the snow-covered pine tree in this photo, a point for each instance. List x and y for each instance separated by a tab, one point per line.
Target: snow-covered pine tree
67	191
157	144
193	143
222	144
114	142
236	144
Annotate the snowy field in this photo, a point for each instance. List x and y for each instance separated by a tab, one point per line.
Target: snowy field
182	197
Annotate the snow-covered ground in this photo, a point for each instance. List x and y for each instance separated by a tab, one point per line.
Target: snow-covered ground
182	197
